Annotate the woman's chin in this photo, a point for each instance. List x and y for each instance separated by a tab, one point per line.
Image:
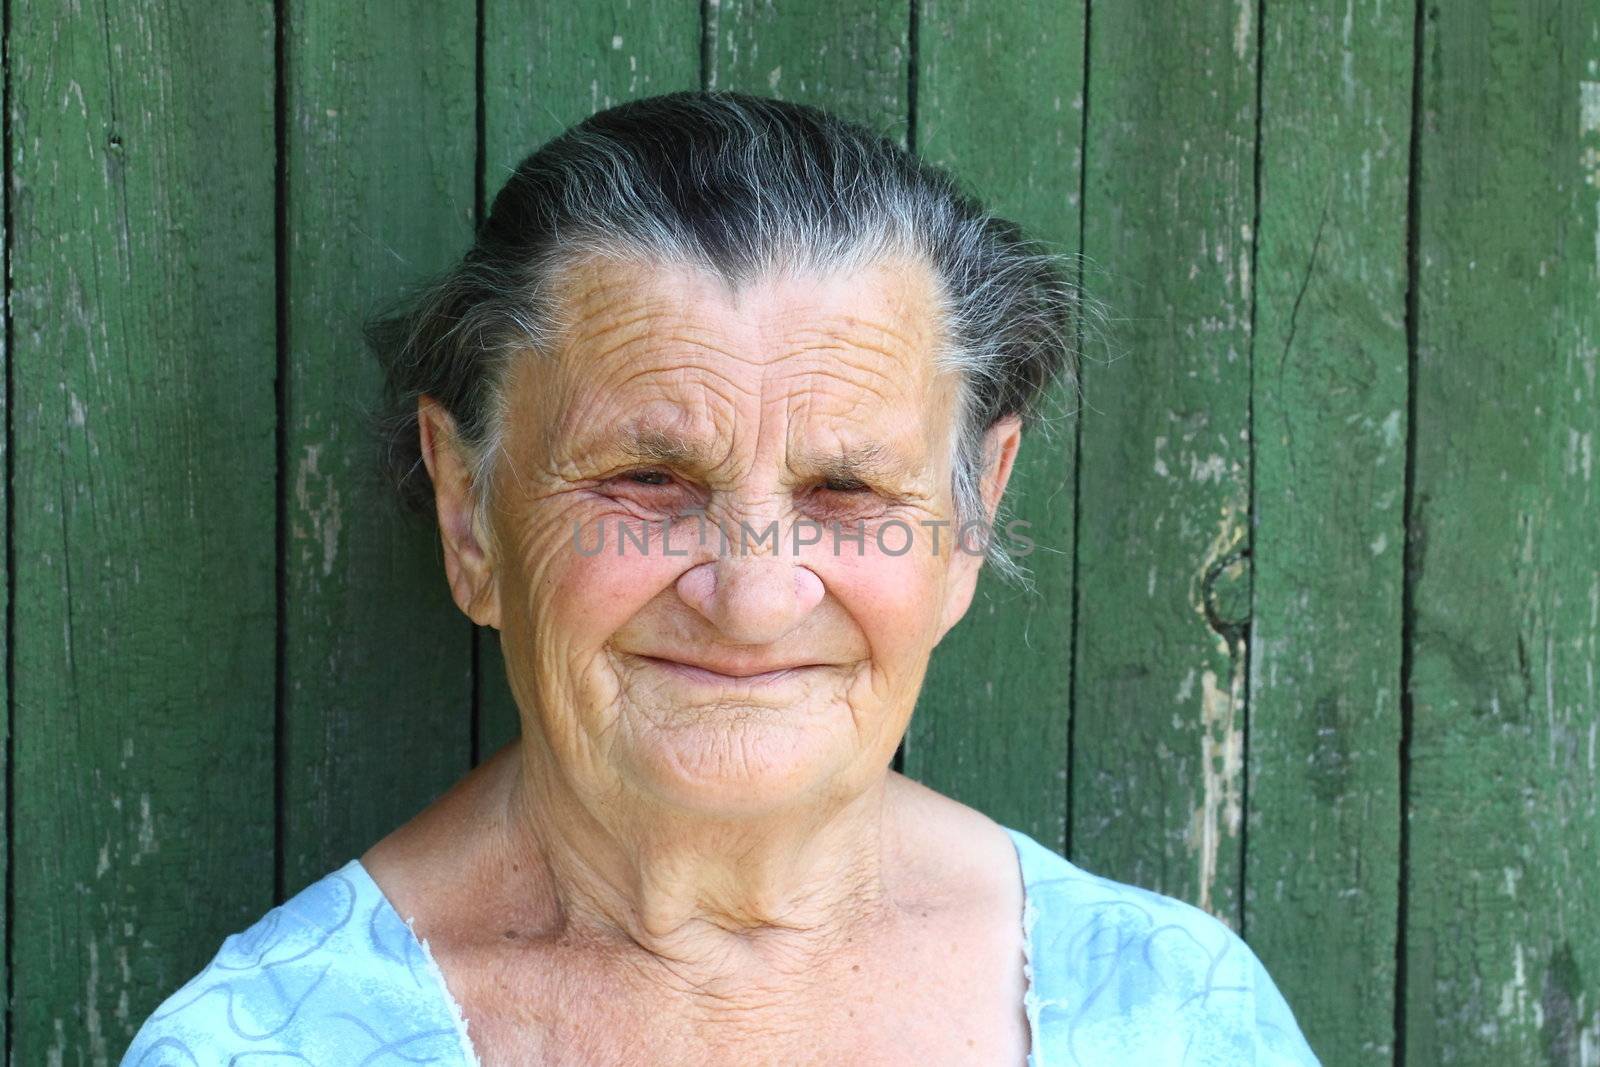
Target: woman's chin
742	766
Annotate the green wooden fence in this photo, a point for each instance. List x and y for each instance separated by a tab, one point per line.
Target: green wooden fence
1315	641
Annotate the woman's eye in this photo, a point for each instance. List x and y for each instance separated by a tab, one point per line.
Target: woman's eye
843	485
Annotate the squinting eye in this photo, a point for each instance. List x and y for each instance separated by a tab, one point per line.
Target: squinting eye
650	478
843	485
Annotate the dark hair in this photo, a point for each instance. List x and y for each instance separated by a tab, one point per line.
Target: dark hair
739	186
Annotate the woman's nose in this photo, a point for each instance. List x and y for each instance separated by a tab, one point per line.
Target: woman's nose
752	599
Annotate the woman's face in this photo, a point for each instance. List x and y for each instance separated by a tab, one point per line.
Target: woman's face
778	667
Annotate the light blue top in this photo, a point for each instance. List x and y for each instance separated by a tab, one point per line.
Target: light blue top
1117	975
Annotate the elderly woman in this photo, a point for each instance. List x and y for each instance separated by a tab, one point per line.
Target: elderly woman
708	352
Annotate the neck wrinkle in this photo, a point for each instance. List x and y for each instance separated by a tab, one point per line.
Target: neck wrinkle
708	918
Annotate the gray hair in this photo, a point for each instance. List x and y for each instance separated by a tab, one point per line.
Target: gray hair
742	187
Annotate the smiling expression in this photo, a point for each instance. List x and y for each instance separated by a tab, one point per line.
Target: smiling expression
727	682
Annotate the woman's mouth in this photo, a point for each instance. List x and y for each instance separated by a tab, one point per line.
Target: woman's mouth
727	674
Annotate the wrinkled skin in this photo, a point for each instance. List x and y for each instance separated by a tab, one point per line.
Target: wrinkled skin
702	797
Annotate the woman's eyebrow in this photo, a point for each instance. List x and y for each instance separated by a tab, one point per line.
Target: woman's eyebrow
868	460
656	444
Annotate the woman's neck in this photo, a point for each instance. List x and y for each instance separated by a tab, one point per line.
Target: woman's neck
695	899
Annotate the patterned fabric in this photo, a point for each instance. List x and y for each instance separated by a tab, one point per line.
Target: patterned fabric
1117	975
331	978
1121	975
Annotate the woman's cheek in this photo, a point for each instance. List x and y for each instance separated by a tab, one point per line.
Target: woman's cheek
605	567
893	598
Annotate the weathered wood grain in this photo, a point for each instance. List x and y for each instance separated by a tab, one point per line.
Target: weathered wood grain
547	65
849	56
992	722
1329	410
380	132
1502	962
5	521
143	526
1159	705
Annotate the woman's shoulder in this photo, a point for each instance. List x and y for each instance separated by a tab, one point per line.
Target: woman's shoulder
1121	971
330	976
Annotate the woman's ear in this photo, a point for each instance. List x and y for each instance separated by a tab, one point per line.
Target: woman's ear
468	555
1000	446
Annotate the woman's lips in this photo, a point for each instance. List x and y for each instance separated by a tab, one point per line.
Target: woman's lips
706	675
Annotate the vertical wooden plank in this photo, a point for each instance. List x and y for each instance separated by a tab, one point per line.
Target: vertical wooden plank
1502	963
144	481
849	56
1158	738
547	65
1330	395
381	144
5	513
1000	104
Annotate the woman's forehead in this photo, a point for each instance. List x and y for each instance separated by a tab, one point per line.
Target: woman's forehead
889	306
849	347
